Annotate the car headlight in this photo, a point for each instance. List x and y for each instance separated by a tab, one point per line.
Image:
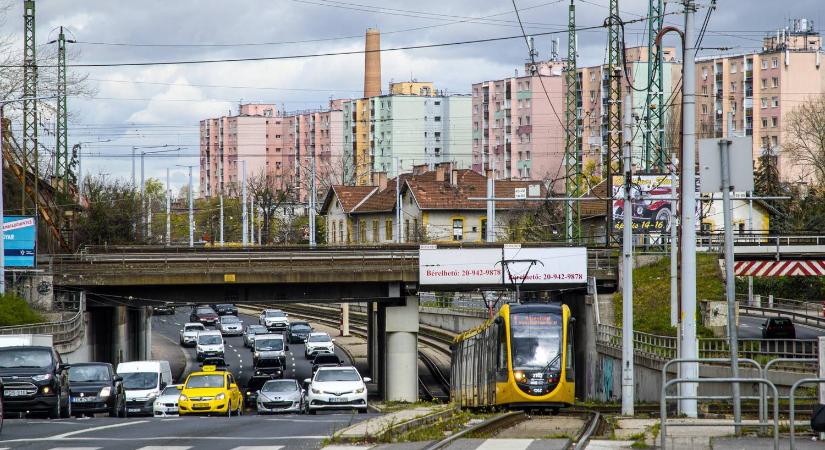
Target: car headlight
105	392
220	396
316	391
44	377
183	398
257	354
359	391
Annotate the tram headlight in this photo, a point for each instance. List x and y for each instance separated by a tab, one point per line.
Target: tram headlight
519	376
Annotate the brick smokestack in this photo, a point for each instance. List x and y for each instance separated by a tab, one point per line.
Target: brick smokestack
372	63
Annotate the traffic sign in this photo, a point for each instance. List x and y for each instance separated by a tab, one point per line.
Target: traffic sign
20	239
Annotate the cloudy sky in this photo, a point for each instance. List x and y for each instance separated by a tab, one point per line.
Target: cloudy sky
160	105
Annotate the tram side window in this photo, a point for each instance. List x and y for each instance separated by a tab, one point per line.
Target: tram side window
501	363
570	363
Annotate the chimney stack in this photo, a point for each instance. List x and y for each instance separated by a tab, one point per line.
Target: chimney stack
372	63
439	173
379	179
454	177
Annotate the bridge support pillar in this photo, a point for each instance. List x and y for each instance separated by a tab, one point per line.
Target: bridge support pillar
120	340
401	325
144	333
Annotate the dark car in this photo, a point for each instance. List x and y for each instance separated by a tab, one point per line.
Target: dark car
253	386
325	360
34	379
96	388
271	367
204	315
164	308
298	332
225	309
218	362
778	328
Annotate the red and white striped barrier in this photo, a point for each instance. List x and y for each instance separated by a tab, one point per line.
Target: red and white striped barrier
804	267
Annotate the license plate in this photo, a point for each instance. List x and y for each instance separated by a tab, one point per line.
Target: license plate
201	405
134	409
83	399
14	393
337	399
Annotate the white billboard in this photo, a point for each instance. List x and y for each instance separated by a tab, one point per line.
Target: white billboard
501	266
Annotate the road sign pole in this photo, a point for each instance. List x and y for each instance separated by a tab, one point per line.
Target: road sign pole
628	384
730	281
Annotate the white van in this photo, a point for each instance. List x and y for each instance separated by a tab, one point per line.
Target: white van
143	382
209	345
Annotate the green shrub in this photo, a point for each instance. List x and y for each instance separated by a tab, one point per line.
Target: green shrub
651	294
15	311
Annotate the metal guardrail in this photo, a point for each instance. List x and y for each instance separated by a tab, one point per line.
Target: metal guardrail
63	332
792	395
796	317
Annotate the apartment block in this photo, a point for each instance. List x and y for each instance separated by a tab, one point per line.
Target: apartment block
516	130
416	126
757	91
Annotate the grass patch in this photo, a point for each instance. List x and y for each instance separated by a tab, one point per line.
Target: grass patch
434	431
651	294
15	311
394	406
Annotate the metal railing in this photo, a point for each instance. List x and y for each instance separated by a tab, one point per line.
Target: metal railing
792	396
810	308
64	332
763	401
796	317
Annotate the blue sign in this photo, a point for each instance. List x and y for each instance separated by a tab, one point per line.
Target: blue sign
20	239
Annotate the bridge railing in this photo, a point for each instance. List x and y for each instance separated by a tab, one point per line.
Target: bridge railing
800	317
65	333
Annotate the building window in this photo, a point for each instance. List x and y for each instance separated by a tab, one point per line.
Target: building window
733	86
415	230
733	107
388	230
774	122
375	231
733	68
362	231
341	232
774	62
764	63
775	82
704	90
704	109
764	83
775	140
764	102
483	229
438	118
407	230
764	123
334	231
458	229
765	142
775	102
704	73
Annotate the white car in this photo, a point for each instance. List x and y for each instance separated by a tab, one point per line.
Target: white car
336	388
167	402
189	333
230	325
274	319
318	343
210	343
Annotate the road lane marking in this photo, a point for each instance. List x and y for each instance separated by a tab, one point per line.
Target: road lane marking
75	448
93	429
165	447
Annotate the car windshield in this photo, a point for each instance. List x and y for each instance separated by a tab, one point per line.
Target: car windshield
269	344
256	329
209	339
275	314
230	319
300	327
79	374
171	390
205	311
326	358
139	380
337	375
782	322
536	340
319	338
25	357
194	328
204	381
225	306
280	386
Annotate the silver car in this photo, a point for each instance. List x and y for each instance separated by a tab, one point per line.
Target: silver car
189	333
250	332
280	396
230	326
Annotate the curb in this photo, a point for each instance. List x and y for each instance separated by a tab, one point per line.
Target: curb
397	428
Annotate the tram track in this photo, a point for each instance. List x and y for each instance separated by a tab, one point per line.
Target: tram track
433	387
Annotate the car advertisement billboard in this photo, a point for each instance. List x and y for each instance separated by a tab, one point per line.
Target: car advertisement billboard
502	266
20	240
651	198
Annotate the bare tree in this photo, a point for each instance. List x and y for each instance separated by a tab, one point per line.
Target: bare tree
805	139
269	192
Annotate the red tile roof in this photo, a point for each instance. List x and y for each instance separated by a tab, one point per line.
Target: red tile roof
349	196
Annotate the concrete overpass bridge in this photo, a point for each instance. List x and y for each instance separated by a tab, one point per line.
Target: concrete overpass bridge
120	284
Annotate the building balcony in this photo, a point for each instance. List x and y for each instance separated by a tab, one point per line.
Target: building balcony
524	129
524	95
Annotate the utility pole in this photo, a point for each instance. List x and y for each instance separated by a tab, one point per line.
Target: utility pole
491	204
252	218
133	166
312	198
654	133
689	344
143	195
168	211
730	281
399	207
244	217
628	386
614	100
30	151
674	253
572	160
191	209
62	168
221	218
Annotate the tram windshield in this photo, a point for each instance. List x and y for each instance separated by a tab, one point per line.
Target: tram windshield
536	340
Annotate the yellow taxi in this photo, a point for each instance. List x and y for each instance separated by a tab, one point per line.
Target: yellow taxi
210	391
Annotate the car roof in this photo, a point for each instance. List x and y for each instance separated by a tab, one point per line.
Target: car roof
270	335
190	324
338	368
318	333
272	310
209	332
214	372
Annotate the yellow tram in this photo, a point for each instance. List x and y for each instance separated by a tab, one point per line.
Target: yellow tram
521	358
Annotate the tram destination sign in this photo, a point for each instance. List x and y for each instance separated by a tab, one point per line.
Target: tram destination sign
502	266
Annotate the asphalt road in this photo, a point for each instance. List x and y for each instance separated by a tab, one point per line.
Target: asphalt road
248	432
751	328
